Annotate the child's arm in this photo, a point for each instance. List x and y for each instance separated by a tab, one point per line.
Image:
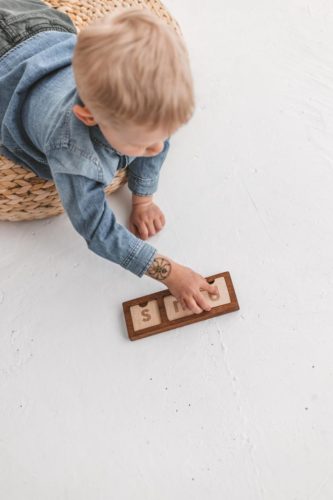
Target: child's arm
146	218
85	203
89	212
144	171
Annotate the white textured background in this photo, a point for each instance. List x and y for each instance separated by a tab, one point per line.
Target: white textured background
239	407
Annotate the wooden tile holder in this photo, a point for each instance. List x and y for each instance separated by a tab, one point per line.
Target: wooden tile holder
138	311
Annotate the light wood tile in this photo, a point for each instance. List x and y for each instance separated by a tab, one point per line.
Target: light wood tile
174	309
145	316
219	299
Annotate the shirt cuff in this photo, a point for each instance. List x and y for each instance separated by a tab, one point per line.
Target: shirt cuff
140	186
140	258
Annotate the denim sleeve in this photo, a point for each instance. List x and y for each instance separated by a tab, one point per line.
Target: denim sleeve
87	208
143	172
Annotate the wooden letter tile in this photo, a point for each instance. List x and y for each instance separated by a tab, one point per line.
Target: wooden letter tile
174	308
222	297
146	315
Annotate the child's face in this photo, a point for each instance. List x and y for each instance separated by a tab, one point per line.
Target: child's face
135	140
130	140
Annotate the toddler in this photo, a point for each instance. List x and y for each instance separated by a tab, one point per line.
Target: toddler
76	107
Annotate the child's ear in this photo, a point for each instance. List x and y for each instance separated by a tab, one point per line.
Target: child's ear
83	114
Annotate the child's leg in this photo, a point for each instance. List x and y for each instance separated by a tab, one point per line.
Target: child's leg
21	19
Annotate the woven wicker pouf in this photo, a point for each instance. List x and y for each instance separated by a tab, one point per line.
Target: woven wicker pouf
23	195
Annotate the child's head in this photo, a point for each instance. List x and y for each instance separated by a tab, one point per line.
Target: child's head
133	75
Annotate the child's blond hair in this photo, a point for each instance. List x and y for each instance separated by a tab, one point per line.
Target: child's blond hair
132	68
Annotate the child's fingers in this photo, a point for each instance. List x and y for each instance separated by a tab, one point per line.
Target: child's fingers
192	305
132	228
182	303
212	289
143	231
201	301
151	227
158	224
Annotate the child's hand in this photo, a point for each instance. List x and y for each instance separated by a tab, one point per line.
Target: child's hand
146	218
184	283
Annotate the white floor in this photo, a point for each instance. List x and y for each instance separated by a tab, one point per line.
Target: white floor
239	407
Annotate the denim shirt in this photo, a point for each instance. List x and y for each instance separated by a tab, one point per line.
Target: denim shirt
40	131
